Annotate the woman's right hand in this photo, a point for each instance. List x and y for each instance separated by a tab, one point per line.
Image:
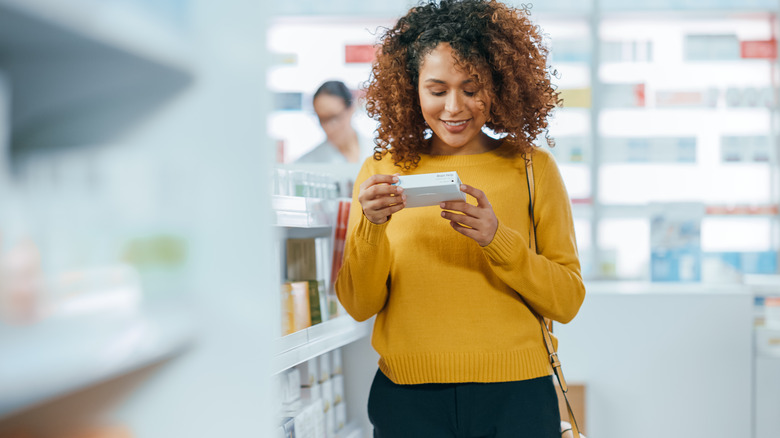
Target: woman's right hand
380	199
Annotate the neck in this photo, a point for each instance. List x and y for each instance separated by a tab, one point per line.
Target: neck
349	146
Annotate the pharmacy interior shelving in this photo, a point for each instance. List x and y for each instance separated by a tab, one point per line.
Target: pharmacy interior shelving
299	217
60	356
298	347
103	53
98	59
108	122
308	217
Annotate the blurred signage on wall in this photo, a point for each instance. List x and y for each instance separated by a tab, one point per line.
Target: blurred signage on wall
359	53
766	49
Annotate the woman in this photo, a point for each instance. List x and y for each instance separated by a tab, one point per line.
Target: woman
333	105
460	352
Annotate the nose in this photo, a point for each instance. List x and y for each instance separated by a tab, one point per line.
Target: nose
453	103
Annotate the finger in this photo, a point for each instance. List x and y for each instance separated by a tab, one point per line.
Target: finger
468	232
461	219
382	203
481	238
384	190
387	211
463	207
479	195
379	179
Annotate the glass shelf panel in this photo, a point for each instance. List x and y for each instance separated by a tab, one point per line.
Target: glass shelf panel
742	234
624	247
635	184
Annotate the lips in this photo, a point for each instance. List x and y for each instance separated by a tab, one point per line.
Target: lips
455	126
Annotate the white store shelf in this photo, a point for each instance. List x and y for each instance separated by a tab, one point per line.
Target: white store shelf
301	212
305	344
56	357
113	65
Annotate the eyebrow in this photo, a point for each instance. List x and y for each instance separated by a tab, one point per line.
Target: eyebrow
439	81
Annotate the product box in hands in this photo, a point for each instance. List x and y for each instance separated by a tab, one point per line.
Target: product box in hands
431	188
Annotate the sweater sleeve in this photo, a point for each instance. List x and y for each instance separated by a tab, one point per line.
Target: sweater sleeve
361	284
550	281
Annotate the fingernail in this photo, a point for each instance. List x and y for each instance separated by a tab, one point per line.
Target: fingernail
442	214
395	179
441	205
403	198
399	190
463	186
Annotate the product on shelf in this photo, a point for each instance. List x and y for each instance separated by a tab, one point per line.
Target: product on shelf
295	307
317	408
21	284
310	374
338	389
339	240
307	261
324	366
675	242
336	362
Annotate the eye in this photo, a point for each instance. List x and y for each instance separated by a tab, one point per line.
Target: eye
469	93
438	93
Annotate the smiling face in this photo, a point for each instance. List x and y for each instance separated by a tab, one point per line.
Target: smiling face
452	104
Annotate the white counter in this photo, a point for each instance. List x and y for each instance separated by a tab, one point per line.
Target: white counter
663	360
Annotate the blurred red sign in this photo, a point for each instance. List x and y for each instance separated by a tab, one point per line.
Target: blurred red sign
362	53
766	49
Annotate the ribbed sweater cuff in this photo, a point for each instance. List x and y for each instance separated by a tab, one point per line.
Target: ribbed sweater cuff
504	244
370	232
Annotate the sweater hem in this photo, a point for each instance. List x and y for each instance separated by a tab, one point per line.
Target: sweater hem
461	367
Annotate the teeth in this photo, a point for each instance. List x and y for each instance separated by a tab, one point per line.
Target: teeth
455	123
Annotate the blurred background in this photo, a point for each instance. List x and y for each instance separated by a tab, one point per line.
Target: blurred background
151	206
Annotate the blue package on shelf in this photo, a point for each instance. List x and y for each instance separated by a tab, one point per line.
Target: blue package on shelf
676	265
675	242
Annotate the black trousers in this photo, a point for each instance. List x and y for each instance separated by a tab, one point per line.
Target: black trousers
522	409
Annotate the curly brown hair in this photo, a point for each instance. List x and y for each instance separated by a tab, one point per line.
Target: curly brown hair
497	45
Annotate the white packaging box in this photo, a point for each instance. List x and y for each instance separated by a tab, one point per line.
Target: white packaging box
310	371
330	422
336	362
304	423
341	416
431	188
319	420
327	395
338	389
324	364
311	393
294	384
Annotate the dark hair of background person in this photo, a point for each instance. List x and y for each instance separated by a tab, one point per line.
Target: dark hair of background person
497	45
337	89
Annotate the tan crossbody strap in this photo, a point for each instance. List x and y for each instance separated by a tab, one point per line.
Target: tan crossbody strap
546	325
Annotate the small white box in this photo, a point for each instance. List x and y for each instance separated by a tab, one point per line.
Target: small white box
313	392
330	422
341	416
336	362
324	363
309	372
327	394
338	389
431	188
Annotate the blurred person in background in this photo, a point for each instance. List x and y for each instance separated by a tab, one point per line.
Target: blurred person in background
334	106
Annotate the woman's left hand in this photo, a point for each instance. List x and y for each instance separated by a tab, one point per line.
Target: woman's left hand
477	222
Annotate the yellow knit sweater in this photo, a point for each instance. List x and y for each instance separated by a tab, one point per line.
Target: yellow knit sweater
447	309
